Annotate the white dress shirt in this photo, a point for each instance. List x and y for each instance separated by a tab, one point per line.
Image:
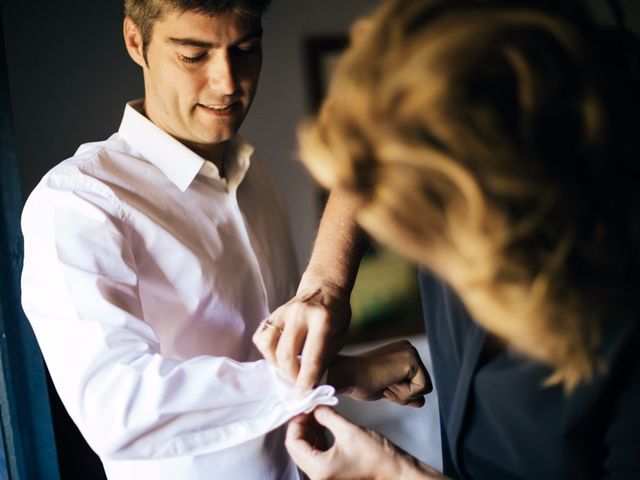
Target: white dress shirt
145	276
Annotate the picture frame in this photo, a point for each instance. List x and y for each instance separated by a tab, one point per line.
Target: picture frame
321	53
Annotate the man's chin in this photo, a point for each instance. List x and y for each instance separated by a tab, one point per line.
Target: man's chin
216	139
209	135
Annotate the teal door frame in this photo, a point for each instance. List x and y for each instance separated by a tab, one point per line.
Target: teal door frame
24	402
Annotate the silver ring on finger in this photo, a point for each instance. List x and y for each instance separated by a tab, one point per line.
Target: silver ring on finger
267	323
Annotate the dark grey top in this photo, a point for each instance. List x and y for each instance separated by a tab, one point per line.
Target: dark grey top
499	422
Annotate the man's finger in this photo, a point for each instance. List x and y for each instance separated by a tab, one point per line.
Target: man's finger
417	403
402	391
420	382
392	394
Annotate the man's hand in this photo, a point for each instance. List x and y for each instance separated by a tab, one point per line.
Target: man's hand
356	453
313	324
393	371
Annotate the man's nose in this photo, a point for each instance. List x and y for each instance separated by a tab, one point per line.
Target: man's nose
222	77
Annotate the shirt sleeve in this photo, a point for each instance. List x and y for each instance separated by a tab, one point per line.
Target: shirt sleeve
80	293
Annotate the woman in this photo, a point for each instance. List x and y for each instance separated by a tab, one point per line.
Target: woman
493	142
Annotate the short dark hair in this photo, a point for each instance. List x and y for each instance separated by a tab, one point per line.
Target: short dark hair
145	13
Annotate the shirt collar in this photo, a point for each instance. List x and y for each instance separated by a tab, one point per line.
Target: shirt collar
177	162
237	160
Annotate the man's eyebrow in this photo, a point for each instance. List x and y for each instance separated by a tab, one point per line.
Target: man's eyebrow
192	42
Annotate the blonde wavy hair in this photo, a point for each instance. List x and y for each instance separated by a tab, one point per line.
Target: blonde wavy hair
477	139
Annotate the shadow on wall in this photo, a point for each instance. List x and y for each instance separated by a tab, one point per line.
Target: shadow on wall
69	75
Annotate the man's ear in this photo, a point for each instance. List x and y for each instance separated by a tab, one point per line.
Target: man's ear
133	41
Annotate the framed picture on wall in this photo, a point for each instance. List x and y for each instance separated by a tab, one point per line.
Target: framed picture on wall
321	55
385	299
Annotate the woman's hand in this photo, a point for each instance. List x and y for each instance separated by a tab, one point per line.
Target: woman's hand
357	453
313	324
393	371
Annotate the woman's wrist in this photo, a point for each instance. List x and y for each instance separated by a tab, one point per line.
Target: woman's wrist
319	279
393	463
410	468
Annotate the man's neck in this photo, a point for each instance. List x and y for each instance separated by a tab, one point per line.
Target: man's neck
214	153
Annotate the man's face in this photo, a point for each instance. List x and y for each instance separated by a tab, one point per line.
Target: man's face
202	75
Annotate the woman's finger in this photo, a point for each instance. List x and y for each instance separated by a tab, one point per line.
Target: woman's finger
300	445
289	347
267	336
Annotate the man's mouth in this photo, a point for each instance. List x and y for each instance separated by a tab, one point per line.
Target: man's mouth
219	109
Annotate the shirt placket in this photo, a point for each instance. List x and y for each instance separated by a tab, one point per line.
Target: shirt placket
245	238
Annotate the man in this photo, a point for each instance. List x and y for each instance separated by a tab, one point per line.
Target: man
151	258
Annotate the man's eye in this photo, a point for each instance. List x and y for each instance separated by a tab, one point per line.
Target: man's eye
247	47
195	59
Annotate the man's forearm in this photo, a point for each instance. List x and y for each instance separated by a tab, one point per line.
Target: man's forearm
339	246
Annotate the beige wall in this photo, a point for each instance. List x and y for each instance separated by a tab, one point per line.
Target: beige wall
283	99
